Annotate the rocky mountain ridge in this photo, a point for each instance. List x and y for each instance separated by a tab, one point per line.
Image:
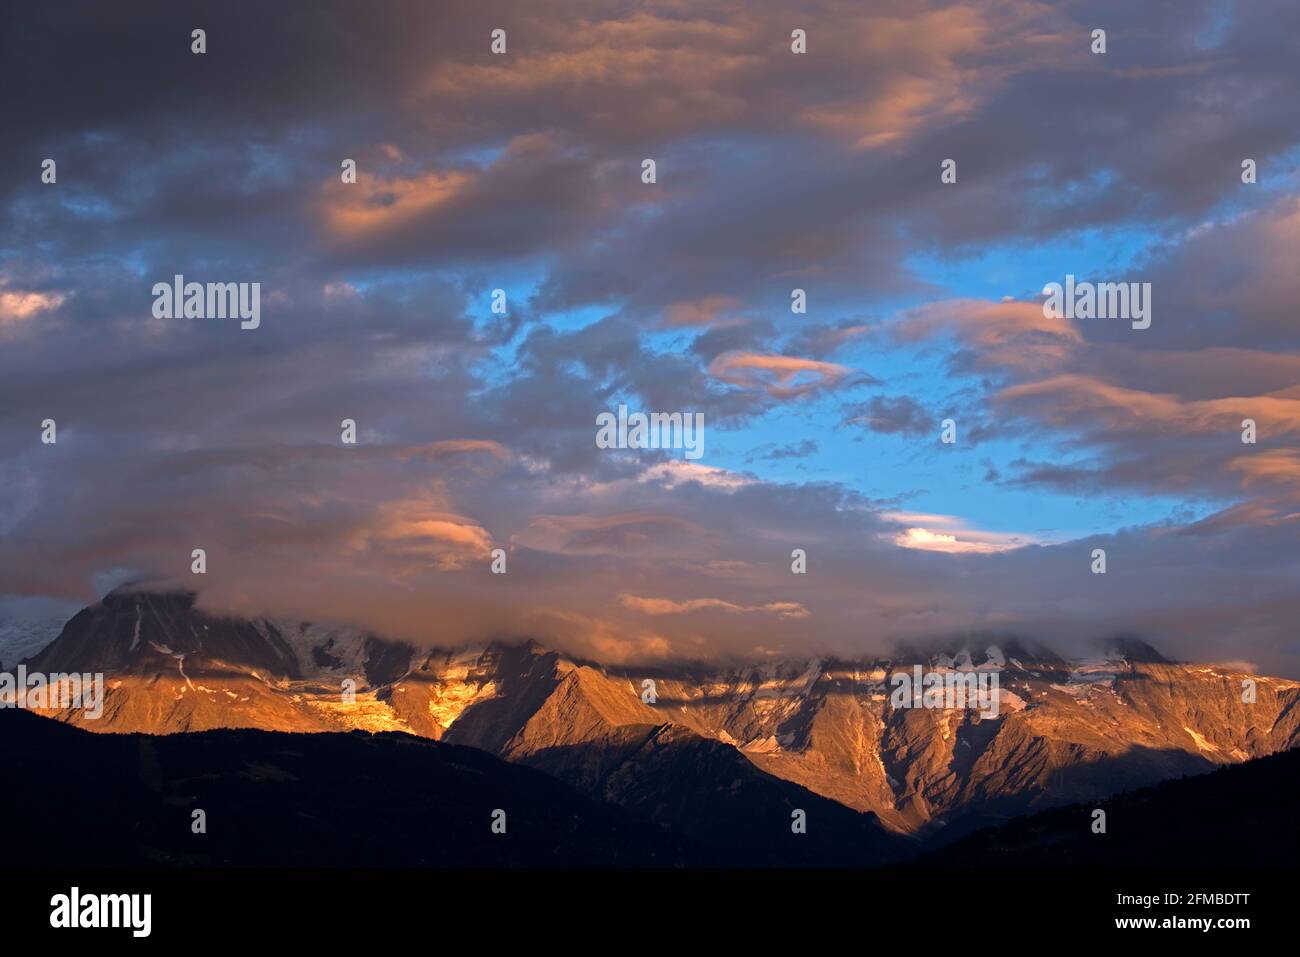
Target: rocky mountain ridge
1064	730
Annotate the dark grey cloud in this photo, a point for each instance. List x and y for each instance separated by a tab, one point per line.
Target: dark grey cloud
896	415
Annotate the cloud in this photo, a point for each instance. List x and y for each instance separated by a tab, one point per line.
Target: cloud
1155	414
708	311
621	532
665	606
414	530
781	377
951	535
901	415
1004	335
931	67
18	306
1118	409
675	472
776	171
793	450
1277	470
379	205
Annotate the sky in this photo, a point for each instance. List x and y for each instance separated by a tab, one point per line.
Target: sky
522	171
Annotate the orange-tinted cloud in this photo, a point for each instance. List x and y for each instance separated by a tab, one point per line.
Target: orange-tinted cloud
781	377
1275	467
666	606
931	67
410	530
1068	399
374	205
1013	334
18	306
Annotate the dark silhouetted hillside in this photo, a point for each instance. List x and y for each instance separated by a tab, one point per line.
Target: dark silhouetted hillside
1243	815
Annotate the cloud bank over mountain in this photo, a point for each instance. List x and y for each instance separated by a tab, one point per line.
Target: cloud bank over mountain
775	172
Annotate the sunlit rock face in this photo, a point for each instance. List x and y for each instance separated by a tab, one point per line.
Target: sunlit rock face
1063	730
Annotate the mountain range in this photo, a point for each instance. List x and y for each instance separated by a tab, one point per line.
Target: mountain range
718	756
